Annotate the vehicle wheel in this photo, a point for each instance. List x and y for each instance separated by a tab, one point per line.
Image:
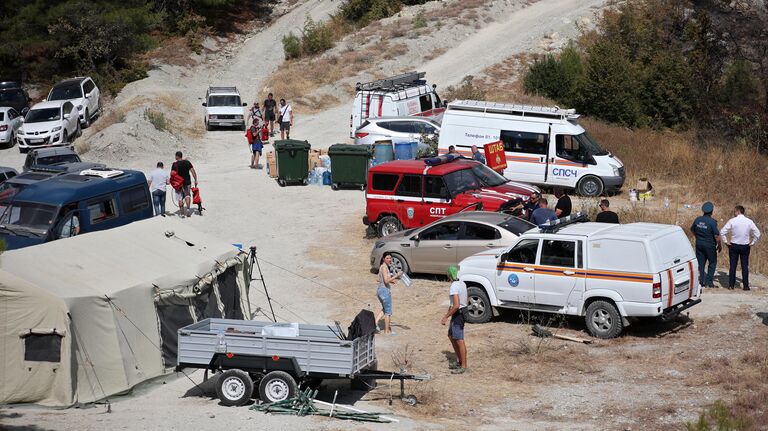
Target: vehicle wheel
281	182
411	400
334	186
65	138
590	186
399	264
87	118
208	127
603	320
78	132
363	187
479	306
245	127
234	388
388	225
277	386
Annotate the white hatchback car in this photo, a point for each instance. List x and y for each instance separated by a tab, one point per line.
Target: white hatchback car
83	93
10	121
396	129
49	124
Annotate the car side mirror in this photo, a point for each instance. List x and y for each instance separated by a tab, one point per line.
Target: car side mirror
24	111
205	104
504	257
66	116
87	95
415	238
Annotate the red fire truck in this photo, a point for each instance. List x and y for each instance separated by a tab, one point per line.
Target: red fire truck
406	194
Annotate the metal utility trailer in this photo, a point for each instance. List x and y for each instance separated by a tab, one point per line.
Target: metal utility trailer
277	364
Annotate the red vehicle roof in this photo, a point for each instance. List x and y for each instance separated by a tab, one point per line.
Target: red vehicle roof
417	167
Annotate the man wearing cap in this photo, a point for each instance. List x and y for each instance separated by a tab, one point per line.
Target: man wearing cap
708	244
457	307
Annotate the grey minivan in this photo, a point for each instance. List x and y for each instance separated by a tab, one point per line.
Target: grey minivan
433	248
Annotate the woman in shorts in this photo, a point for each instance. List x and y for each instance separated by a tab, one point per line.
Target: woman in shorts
256	145
384	293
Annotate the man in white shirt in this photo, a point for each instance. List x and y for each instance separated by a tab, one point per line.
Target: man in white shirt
158	179
286	119
458	305
739	234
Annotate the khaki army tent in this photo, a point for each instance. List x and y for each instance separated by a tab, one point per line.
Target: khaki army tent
88	317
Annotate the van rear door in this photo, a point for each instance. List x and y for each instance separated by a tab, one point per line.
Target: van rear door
676	262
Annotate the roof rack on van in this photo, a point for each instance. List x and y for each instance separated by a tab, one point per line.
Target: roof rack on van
554	112
394	83
102	172
222	89
553	226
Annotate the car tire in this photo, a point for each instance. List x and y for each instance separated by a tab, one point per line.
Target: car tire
335	186
78	132
65	138
277	386
400	264
234	388
86	119
590	186
478	306
603	320
388	225
208	126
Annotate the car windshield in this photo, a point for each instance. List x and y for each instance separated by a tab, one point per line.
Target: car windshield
28	215
43	115
516	225
488	176
59	158
460	181
224	101
66	92
592	147
7	192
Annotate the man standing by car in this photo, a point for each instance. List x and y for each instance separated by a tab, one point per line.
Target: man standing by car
457	295
564	206
606	215
543	213
158	179
285	119
184	168
743	235
704	228
532	205
269	113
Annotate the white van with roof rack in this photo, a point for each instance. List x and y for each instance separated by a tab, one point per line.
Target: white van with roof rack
407	94
544	146
604	272
224	108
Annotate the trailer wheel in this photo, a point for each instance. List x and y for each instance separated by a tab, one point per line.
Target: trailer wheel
411	400
603	320
277	386
234	388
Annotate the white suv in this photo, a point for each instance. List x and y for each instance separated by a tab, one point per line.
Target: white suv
49	124
223	107
604	272
83	94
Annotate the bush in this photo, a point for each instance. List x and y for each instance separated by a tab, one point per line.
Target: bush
156	118
556	78
291	46
316	38
720	418
466	90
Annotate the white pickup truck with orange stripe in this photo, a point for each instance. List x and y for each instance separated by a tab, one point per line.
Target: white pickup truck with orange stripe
604	272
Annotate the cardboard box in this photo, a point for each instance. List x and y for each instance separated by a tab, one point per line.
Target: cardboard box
314	160
271	164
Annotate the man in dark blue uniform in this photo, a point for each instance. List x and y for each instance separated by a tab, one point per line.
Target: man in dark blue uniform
708	244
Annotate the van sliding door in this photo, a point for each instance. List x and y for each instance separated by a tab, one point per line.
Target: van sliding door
526	153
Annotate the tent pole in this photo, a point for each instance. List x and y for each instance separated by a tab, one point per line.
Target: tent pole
255	260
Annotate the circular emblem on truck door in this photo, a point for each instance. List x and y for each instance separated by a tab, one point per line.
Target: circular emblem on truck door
410	212
513	280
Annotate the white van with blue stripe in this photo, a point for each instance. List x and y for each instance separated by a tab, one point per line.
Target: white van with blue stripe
607	273
543	146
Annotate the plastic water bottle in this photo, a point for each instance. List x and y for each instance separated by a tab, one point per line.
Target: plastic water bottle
666	202
221	343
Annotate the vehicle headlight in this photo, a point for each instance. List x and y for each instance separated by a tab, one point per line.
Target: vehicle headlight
379	244
615	171
20	132
238	117
56	129
79	107
212	117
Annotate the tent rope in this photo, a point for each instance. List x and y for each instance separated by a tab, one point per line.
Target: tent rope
284	308
93	368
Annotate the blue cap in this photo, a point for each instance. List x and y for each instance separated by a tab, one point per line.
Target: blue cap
708	207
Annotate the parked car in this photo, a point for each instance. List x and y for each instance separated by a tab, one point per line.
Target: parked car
83	93
544	146
50	156
7	173
401	95
10	122
433	248
407	194
224	107
16	98
49	124
101	199
606	273
396	129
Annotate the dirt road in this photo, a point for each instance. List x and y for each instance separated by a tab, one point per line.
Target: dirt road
244	206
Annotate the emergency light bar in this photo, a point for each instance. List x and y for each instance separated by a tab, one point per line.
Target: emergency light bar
553	226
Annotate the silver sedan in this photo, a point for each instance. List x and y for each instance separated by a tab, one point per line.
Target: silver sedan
10	121
433	248
396	129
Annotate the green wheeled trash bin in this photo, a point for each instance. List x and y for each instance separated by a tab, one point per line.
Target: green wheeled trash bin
292	161
349	165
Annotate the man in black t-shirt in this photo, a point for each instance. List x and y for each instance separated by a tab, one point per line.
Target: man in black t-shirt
184	168
270	104
606	215
563	207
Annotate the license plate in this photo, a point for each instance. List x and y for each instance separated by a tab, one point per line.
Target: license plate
36	141
681	287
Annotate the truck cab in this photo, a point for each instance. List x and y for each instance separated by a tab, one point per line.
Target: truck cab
605	273
406	194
